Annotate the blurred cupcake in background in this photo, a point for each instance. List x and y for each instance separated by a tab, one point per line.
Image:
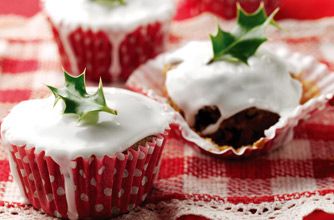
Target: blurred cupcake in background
108	38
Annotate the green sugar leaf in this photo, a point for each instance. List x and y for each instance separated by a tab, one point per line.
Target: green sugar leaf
77	101
249	21
246	48
220	42
246	38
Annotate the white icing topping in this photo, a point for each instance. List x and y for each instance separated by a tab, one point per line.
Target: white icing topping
88	13
264	83
38	124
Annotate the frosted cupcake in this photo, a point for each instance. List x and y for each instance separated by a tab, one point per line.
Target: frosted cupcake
227	90
88	155
110	38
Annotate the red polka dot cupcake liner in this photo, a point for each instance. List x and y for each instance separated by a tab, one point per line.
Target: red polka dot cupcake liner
103	186
105	54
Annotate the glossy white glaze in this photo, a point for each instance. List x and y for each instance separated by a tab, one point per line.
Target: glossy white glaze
64	37
87	13
36	123
116	40
264	83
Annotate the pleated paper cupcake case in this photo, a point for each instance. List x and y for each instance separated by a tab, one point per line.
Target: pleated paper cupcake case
104	186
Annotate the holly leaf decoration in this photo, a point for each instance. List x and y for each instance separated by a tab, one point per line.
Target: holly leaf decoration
245	39
110	3
78	101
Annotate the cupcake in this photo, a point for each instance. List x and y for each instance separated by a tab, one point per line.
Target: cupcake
229	90
80	154
108	38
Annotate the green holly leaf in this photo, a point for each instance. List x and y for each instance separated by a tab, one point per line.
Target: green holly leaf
110	3
246	38
78	101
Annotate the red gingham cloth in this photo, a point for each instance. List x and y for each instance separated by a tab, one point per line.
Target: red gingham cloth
291	181
306	9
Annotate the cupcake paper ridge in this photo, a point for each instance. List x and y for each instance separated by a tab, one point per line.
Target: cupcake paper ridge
88	186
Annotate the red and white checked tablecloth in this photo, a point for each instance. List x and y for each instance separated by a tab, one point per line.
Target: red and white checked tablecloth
286	184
